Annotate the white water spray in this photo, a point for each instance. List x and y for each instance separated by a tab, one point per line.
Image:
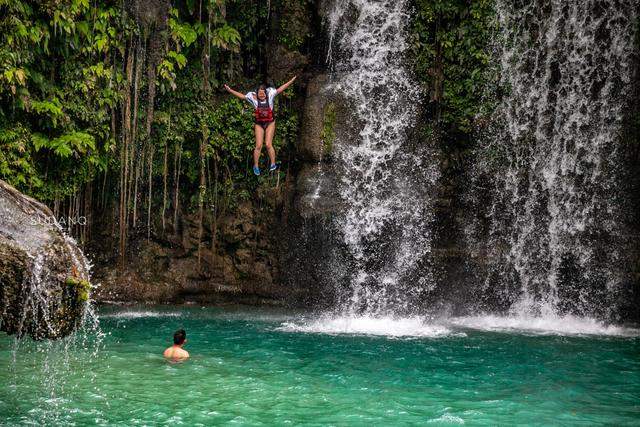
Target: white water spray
556	235
383	183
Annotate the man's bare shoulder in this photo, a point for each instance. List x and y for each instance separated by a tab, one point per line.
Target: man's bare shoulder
175	353
183	353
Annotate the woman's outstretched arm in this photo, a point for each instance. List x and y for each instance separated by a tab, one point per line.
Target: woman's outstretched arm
285	86
234	93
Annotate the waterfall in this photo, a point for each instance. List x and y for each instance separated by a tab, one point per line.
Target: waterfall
69	338
383	178
557	240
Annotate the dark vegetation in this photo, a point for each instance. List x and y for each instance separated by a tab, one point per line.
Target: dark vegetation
112	111
450	49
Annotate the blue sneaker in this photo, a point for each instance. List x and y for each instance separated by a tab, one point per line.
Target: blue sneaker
273	167
256	170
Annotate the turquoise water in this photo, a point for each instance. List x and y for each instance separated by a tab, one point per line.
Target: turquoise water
266	367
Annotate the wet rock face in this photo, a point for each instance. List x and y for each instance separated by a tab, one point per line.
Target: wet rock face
311	132
44	280
243	268
315	199
284	63
316	193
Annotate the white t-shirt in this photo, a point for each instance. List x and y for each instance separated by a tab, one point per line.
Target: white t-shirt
252	98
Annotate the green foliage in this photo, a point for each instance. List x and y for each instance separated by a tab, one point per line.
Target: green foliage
16	158
293	28
181	32
78	143
65	83
231	130
226	37
450	44
328	131
80	289
57	85
62	82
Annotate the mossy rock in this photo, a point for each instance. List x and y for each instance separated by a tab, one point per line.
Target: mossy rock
79	288
44	307
312	128
44	281
328	128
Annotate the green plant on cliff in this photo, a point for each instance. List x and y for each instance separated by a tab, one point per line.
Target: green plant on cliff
80	289
328	131
449	42
293	26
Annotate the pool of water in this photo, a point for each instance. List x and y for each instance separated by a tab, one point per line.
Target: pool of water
271	367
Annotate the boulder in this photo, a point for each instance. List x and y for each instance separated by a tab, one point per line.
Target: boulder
314	124
44	277
324	116
284	63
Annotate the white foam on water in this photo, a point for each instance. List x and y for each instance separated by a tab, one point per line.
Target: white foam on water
369	325
141	314
420	327
549	325
446	419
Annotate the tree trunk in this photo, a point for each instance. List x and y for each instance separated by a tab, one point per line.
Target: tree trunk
165	170
176	194
202	192
135	164
150	190
205	134
214	217
124	156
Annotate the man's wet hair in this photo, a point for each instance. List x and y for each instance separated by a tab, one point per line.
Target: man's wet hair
179	337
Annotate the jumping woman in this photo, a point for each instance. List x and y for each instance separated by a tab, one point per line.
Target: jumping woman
265	123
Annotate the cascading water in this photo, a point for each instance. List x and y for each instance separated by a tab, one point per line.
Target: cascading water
44	294
556	239
383	180
56	359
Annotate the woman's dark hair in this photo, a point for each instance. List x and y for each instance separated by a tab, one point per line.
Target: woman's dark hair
263	87
179	336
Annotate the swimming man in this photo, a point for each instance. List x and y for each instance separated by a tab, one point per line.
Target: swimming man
175	353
